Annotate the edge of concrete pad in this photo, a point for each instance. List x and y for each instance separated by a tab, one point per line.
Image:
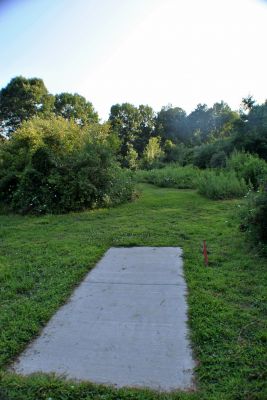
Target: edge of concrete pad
192	387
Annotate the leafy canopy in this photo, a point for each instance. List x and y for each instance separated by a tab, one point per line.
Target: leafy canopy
20	100
134	126
74	106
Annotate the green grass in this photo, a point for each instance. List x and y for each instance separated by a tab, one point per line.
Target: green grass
43	258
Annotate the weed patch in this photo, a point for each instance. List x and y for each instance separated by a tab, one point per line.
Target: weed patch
218	185
171	176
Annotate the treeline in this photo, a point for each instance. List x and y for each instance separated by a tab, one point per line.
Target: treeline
205	137
146	139
56	156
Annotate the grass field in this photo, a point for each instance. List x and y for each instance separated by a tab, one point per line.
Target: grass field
43	258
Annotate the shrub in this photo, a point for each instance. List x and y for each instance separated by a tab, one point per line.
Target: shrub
171	176
250	167
203	155
177	153
55	166
131	159
212	154
218	185
218	160
153	154
121	187
253	215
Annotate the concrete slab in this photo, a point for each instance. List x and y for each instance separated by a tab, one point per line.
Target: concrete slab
124	325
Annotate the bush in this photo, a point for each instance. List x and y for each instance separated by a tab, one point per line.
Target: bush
171	176
250	167
253	215
219	185
218	160
212	155
55	166
203	155
121	188
177	153
153	154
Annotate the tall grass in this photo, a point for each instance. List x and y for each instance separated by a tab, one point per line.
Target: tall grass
221	185
171	176
248	166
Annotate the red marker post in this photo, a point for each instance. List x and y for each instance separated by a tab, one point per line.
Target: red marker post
205	253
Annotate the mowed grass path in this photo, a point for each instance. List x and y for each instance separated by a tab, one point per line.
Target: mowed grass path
43	258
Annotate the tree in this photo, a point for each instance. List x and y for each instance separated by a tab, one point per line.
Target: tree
251	131
147	127
178	153
134	126
131	158
208	124
125	121
153	152
74	106
248	103
200	124
171	124
20	100
223	119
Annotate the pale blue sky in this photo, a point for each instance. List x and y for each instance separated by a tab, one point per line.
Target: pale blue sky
141	51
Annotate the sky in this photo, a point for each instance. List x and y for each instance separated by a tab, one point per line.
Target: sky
155	52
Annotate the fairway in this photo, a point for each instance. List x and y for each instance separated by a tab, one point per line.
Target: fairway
125	325
44	258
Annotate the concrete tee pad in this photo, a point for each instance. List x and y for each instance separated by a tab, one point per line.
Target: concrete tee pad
125	325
